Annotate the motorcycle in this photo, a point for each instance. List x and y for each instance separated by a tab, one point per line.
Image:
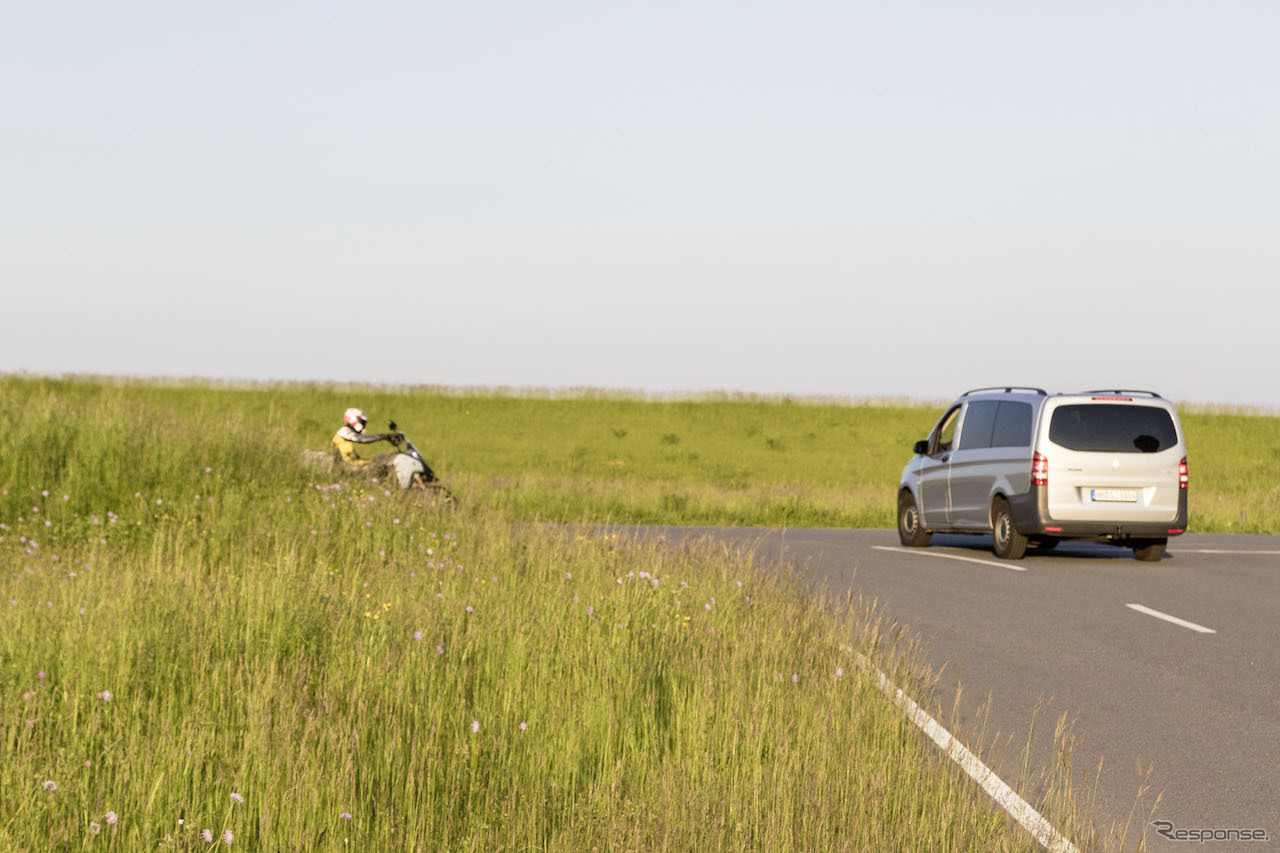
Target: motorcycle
412	471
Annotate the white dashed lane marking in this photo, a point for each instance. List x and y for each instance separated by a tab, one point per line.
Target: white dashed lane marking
1173	619
1222	551
920	552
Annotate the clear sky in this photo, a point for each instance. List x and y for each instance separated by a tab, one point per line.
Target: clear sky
843	198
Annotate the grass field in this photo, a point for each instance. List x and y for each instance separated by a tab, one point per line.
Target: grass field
185	615
611	458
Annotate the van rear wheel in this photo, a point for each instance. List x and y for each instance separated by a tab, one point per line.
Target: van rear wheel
1006	541
1149	550
910	528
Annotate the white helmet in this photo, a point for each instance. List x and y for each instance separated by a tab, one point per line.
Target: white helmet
355	418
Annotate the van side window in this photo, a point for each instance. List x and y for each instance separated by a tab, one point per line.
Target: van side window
1012	426
979	418
945	432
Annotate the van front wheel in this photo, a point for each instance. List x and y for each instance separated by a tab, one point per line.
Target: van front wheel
910	527
1006	541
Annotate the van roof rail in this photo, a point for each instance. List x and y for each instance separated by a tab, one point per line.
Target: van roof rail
1008	389
1121	391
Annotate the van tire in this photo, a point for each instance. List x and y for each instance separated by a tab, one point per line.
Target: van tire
1149	550
910	525
1006	541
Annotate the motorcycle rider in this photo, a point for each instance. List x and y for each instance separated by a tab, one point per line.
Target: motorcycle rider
352	433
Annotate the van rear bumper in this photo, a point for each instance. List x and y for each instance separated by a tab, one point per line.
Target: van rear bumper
1031	518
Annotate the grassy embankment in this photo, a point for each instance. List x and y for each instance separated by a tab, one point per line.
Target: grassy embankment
184	617
725	462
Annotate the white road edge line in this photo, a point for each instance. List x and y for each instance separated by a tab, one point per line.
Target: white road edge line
1174	619
923	553
1221	551
1008	799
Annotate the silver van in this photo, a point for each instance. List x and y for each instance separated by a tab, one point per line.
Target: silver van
1033	468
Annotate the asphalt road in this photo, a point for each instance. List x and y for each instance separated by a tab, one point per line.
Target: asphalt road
1196	703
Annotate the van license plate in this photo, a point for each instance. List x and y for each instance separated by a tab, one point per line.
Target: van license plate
1129	495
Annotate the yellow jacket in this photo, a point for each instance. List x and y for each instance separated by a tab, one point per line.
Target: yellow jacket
344	445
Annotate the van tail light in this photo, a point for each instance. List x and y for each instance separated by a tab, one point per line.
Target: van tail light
1182	473
1040	470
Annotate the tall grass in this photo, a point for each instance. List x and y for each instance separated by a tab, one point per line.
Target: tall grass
727	461
185	616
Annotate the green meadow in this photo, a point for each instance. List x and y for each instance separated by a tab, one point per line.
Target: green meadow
198	636
727	460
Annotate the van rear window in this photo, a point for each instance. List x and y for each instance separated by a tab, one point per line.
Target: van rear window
1107	428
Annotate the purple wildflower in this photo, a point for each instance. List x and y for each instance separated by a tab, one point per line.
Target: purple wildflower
50	785
111	817
207	835
237	798
345	815
591	611
439	650
227	837
524	726
417	635
475	726
795	679
94	828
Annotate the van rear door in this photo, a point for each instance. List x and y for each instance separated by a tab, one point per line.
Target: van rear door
1112	460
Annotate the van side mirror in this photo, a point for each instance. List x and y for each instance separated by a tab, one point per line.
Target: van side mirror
921	447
